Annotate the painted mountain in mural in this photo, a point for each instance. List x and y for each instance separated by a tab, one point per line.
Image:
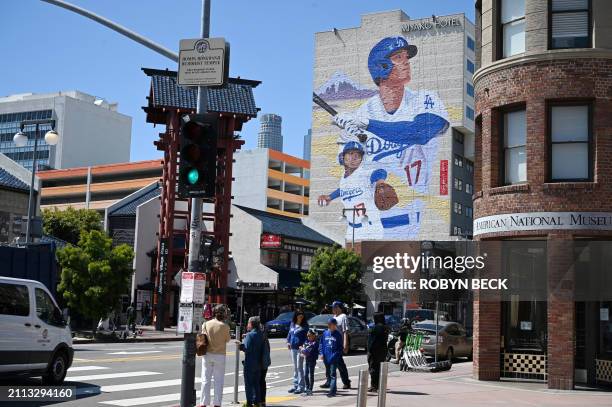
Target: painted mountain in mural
340	86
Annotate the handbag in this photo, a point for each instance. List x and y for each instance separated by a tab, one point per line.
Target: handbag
202	342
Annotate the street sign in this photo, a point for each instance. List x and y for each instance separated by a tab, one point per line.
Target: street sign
203	62
192	288
185	319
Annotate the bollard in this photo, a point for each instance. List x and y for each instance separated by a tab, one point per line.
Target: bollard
362	389
237	366
382	384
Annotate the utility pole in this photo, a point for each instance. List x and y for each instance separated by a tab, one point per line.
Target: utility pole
188	392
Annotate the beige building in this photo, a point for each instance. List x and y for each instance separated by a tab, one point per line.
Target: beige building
422	147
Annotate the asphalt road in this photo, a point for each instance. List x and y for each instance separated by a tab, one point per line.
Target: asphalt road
149	374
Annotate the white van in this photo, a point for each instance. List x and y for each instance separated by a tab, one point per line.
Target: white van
35	340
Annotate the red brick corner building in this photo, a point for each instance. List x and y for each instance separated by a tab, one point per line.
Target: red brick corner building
543	155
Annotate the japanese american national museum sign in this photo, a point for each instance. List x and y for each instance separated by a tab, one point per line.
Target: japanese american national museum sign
511	222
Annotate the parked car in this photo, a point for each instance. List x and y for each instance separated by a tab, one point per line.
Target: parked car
391	321
420	315
453	341
279	326
358	331
35	339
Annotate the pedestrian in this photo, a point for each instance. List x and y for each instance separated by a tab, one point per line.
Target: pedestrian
213	362
266	362
295	339
253	348
131	317
377	349
342	321
146	309
330	349
310	351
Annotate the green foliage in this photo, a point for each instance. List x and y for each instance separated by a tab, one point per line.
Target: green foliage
94	274
335	274
68	224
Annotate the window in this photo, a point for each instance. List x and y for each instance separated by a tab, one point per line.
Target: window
569	142
458	136
471	44
14	300
294	258
306	261
469	166
469	89
469	113
469	189
458	208
512	27
514	130
458	184
470	66
569	24
46	309
469	211
458	161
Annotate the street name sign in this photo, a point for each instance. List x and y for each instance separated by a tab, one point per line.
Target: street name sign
203	62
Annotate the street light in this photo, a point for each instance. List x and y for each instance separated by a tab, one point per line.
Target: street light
364	219
21	140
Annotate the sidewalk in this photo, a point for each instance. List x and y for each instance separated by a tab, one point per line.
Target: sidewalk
454	388
149	334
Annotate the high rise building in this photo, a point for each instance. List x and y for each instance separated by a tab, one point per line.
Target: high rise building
271	181
91	130
270	135
405	84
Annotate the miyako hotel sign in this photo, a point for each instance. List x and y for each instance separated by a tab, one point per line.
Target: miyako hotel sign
516	222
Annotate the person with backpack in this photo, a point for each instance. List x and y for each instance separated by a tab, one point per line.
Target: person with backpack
377	349
310	351
253	348
330	349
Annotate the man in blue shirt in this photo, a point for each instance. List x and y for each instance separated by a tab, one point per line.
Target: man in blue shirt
330	349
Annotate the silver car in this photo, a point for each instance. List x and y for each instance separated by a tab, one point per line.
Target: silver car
452	341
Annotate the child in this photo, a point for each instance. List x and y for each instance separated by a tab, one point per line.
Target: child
330	349
310	351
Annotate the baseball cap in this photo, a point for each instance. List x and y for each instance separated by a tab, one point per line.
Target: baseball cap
332	321
337	304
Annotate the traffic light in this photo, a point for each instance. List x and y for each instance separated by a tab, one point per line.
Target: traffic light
198	156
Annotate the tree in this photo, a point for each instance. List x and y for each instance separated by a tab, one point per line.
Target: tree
335	274
94	274
68	224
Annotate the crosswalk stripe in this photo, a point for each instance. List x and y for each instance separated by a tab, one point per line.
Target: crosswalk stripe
138	352
82	368
109	376
138	401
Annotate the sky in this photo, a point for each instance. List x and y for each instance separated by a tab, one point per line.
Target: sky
45	48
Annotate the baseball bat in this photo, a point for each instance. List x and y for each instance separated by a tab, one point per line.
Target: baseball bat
323	104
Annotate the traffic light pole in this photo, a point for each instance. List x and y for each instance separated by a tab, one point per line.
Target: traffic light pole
188	393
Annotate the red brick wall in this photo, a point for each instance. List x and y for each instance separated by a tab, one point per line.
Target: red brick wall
533	85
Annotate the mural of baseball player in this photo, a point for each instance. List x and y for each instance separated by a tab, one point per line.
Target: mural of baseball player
401	128
357	189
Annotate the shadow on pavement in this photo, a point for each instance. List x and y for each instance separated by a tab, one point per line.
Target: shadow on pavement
407	393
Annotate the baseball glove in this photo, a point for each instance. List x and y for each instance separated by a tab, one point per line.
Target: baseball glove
385	196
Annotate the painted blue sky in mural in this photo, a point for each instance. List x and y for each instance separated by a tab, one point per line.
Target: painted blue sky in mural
272	41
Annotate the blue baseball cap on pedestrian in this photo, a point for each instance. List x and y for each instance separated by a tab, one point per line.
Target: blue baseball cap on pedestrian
337	304
332	321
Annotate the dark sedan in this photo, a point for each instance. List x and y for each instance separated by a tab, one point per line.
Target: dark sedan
358	331
279	326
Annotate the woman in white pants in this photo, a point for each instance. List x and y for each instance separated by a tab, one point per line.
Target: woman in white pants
213	363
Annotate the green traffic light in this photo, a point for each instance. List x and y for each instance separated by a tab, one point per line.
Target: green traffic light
193	176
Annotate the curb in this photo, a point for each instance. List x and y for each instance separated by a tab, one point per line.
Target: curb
134	340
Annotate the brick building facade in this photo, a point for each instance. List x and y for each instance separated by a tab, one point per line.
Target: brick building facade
543	163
